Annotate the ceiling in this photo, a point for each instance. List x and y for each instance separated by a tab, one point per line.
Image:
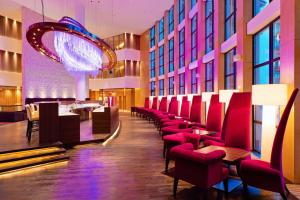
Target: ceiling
102	17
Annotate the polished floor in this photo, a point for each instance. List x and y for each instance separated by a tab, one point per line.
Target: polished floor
12	135
129	167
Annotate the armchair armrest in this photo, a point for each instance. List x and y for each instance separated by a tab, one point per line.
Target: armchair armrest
186	152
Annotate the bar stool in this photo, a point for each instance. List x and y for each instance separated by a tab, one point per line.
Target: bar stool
32	119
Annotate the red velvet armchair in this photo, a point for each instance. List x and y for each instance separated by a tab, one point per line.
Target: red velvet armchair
265	175
180	126
163	108
184	114
202	170
213	123
140	110
236	125
172	112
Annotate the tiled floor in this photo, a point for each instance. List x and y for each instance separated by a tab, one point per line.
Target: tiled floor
129	167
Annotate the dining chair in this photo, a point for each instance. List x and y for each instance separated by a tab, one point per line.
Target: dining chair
269	175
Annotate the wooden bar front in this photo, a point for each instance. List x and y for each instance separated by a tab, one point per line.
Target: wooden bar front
106	122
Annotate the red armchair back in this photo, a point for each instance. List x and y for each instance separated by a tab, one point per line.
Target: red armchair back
276	156
147	102
185	108
155	103
214	114
236	125
163	106
173	106
195	114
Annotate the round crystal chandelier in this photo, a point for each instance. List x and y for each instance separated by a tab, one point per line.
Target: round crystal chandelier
75	47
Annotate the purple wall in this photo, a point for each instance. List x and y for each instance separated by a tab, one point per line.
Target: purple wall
42	77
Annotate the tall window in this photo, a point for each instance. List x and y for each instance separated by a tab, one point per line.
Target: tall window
171	19
194	38
152	88
161	87
161	60
161	29
182	83
230	18
266	70
230	70
152	37
171	55
209	76
181	10
209	26
171	85
259	5
181	48
194	81
193	3
152	64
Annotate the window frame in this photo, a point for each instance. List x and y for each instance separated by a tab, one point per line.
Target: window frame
171	20
161	51
171	52
194	33
226	76
171	89
181	11
152	64
181	83
181	42
152	88
270	63
161	27
161	84
194	81
212	76
233	14
211	34
152	36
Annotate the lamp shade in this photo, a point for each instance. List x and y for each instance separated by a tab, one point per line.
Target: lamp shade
270	94
225	95
206	96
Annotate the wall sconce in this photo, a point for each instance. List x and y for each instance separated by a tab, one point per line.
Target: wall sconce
269	96
225	96
206	96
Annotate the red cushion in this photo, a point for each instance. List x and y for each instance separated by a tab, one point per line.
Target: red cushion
260	174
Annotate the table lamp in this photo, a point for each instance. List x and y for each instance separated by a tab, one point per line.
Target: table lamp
269	96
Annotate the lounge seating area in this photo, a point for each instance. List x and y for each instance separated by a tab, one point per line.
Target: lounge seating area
204	154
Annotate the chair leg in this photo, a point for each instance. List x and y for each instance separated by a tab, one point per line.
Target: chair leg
286	188
225	182
164	150
167	164
30	131
245	186
176	180
283	196
27	131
